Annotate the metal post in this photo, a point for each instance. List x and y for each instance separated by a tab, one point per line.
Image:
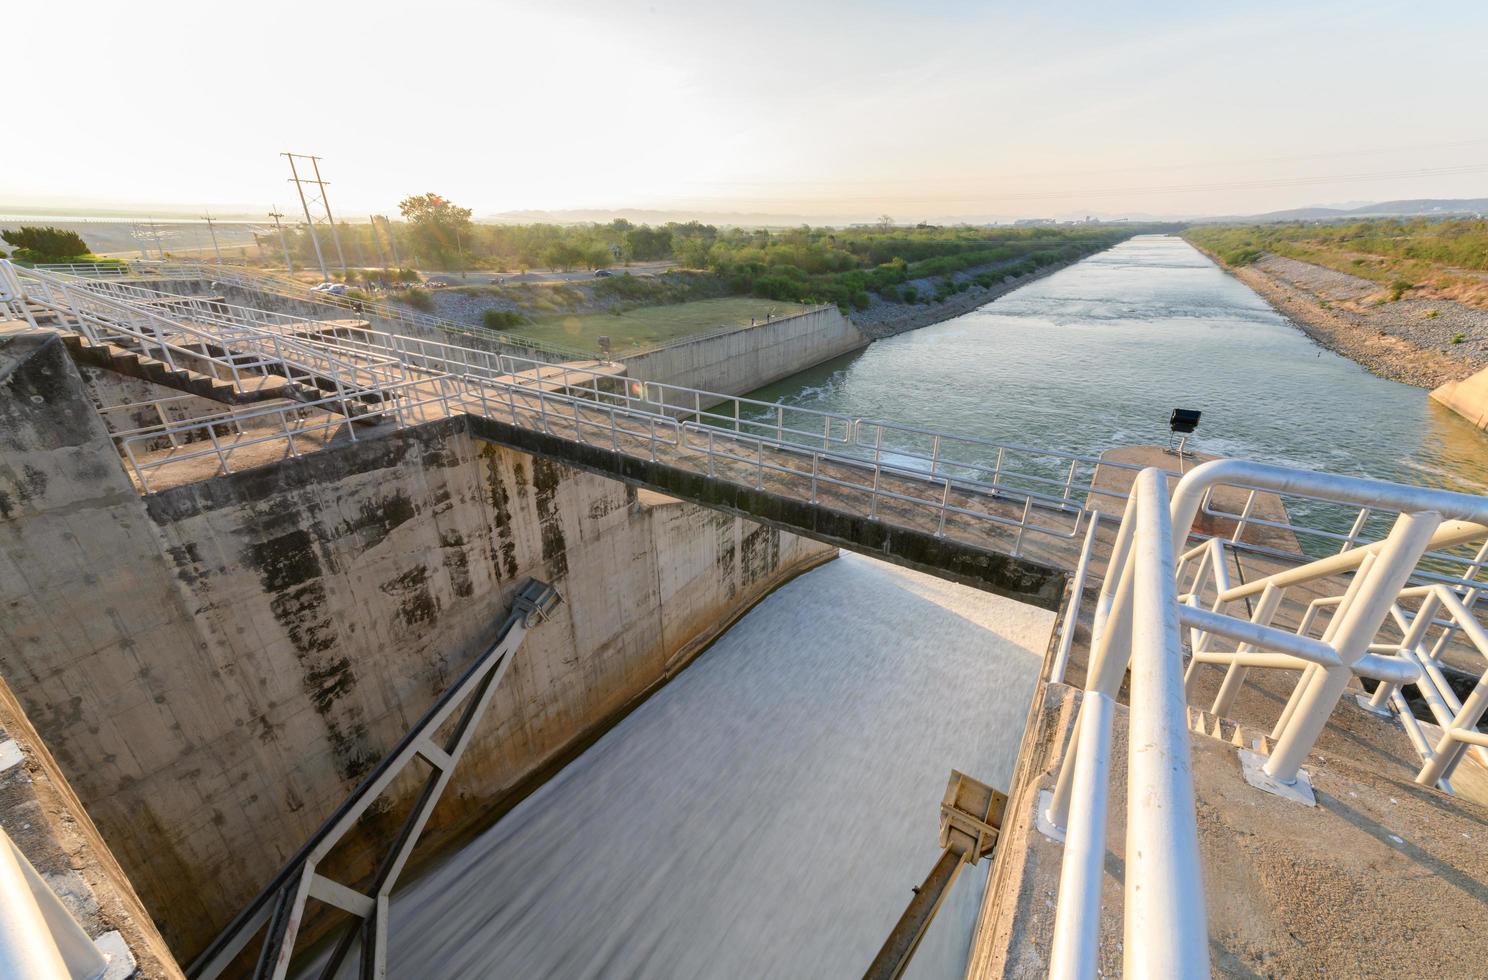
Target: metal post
213	232
325	202
276	215
309	221
1403	548
1075	951
1163	883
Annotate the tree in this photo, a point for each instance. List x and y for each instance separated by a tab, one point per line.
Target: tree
48	244
440	229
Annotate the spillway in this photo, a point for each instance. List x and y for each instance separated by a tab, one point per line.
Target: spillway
766	813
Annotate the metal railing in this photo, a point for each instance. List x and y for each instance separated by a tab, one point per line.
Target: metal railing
230	343
1139	620
278	910
39	938
287	288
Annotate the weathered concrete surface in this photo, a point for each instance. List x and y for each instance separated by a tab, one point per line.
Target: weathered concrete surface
743	360
43	816
785	503
1468	398
215	666
1381	878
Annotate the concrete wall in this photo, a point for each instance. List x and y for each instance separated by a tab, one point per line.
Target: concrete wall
751	357
1468	398
215	666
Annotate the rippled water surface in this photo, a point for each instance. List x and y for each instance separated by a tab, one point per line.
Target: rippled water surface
1097	355
763	815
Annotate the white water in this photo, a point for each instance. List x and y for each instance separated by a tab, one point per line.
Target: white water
763	815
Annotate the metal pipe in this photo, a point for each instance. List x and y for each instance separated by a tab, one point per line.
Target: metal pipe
1074	952
1412	534
1077	593
1163	882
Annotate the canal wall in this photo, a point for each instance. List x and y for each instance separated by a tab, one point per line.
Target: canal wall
747	358
1468	398
215	666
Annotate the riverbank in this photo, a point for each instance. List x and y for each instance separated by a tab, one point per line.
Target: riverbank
884	319
1421	341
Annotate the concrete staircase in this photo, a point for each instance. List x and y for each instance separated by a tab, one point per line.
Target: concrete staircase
112	357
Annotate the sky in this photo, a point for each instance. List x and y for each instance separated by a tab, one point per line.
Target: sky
822	108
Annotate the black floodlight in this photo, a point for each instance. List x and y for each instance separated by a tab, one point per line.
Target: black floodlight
1184	420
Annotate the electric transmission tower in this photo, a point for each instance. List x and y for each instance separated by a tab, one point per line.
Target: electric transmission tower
318	197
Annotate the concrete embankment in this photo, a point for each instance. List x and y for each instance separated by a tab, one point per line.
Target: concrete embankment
215	666
737	361
1416	341
1468	398
883	319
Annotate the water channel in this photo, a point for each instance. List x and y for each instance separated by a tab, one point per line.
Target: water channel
766	813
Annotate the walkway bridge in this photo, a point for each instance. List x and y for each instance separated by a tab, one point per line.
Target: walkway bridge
1242	609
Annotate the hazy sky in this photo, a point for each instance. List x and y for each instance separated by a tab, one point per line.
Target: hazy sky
918	110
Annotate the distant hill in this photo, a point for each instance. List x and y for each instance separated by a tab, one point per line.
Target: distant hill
1423	206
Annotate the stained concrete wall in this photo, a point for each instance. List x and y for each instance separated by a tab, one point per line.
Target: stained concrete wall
215	666
751	357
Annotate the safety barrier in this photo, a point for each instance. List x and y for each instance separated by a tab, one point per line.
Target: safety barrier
1138	621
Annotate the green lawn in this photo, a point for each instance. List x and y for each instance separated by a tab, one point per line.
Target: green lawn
653	324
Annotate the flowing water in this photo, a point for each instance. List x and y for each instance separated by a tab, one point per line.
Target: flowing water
1099	353
765	814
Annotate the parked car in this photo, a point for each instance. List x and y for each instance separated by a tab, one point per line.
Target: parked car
602	273
334	288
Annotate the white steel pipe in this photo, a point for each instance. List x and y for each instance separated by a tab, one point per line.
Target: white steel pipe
1166	928
1392	568
1077	593
26	945
1074	953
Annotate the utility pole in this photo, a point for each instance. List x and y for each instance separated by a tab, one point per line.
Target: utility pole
276	215
330	219
387	226
309	221
159	247
213	232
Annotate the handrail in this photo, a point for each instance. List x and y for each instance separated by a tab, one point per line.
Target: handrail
292	289
281	902
1163	881
39	938
1138	623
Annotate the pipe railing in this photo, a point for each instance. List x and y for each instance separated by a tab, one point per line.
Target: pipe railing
1139	620
1163	882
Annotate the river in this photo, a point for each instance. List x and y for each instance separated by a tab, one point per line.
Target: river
765	814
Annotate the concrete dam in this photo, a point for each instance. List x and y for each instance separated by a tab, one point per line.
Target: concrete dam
336	641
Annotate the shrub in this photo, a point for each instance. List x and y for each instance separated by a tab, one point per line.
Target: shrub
1458	338
909	294
1399	288
1432	314
33	244
419	299
407	275
502	319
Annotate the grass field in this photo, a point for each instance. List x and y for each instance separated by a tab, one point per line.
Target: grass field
654	324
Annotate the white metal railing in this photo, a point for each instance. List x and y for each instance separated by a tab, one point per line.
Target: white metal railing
1139	620
1163	908
39	938
231	343
287	288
